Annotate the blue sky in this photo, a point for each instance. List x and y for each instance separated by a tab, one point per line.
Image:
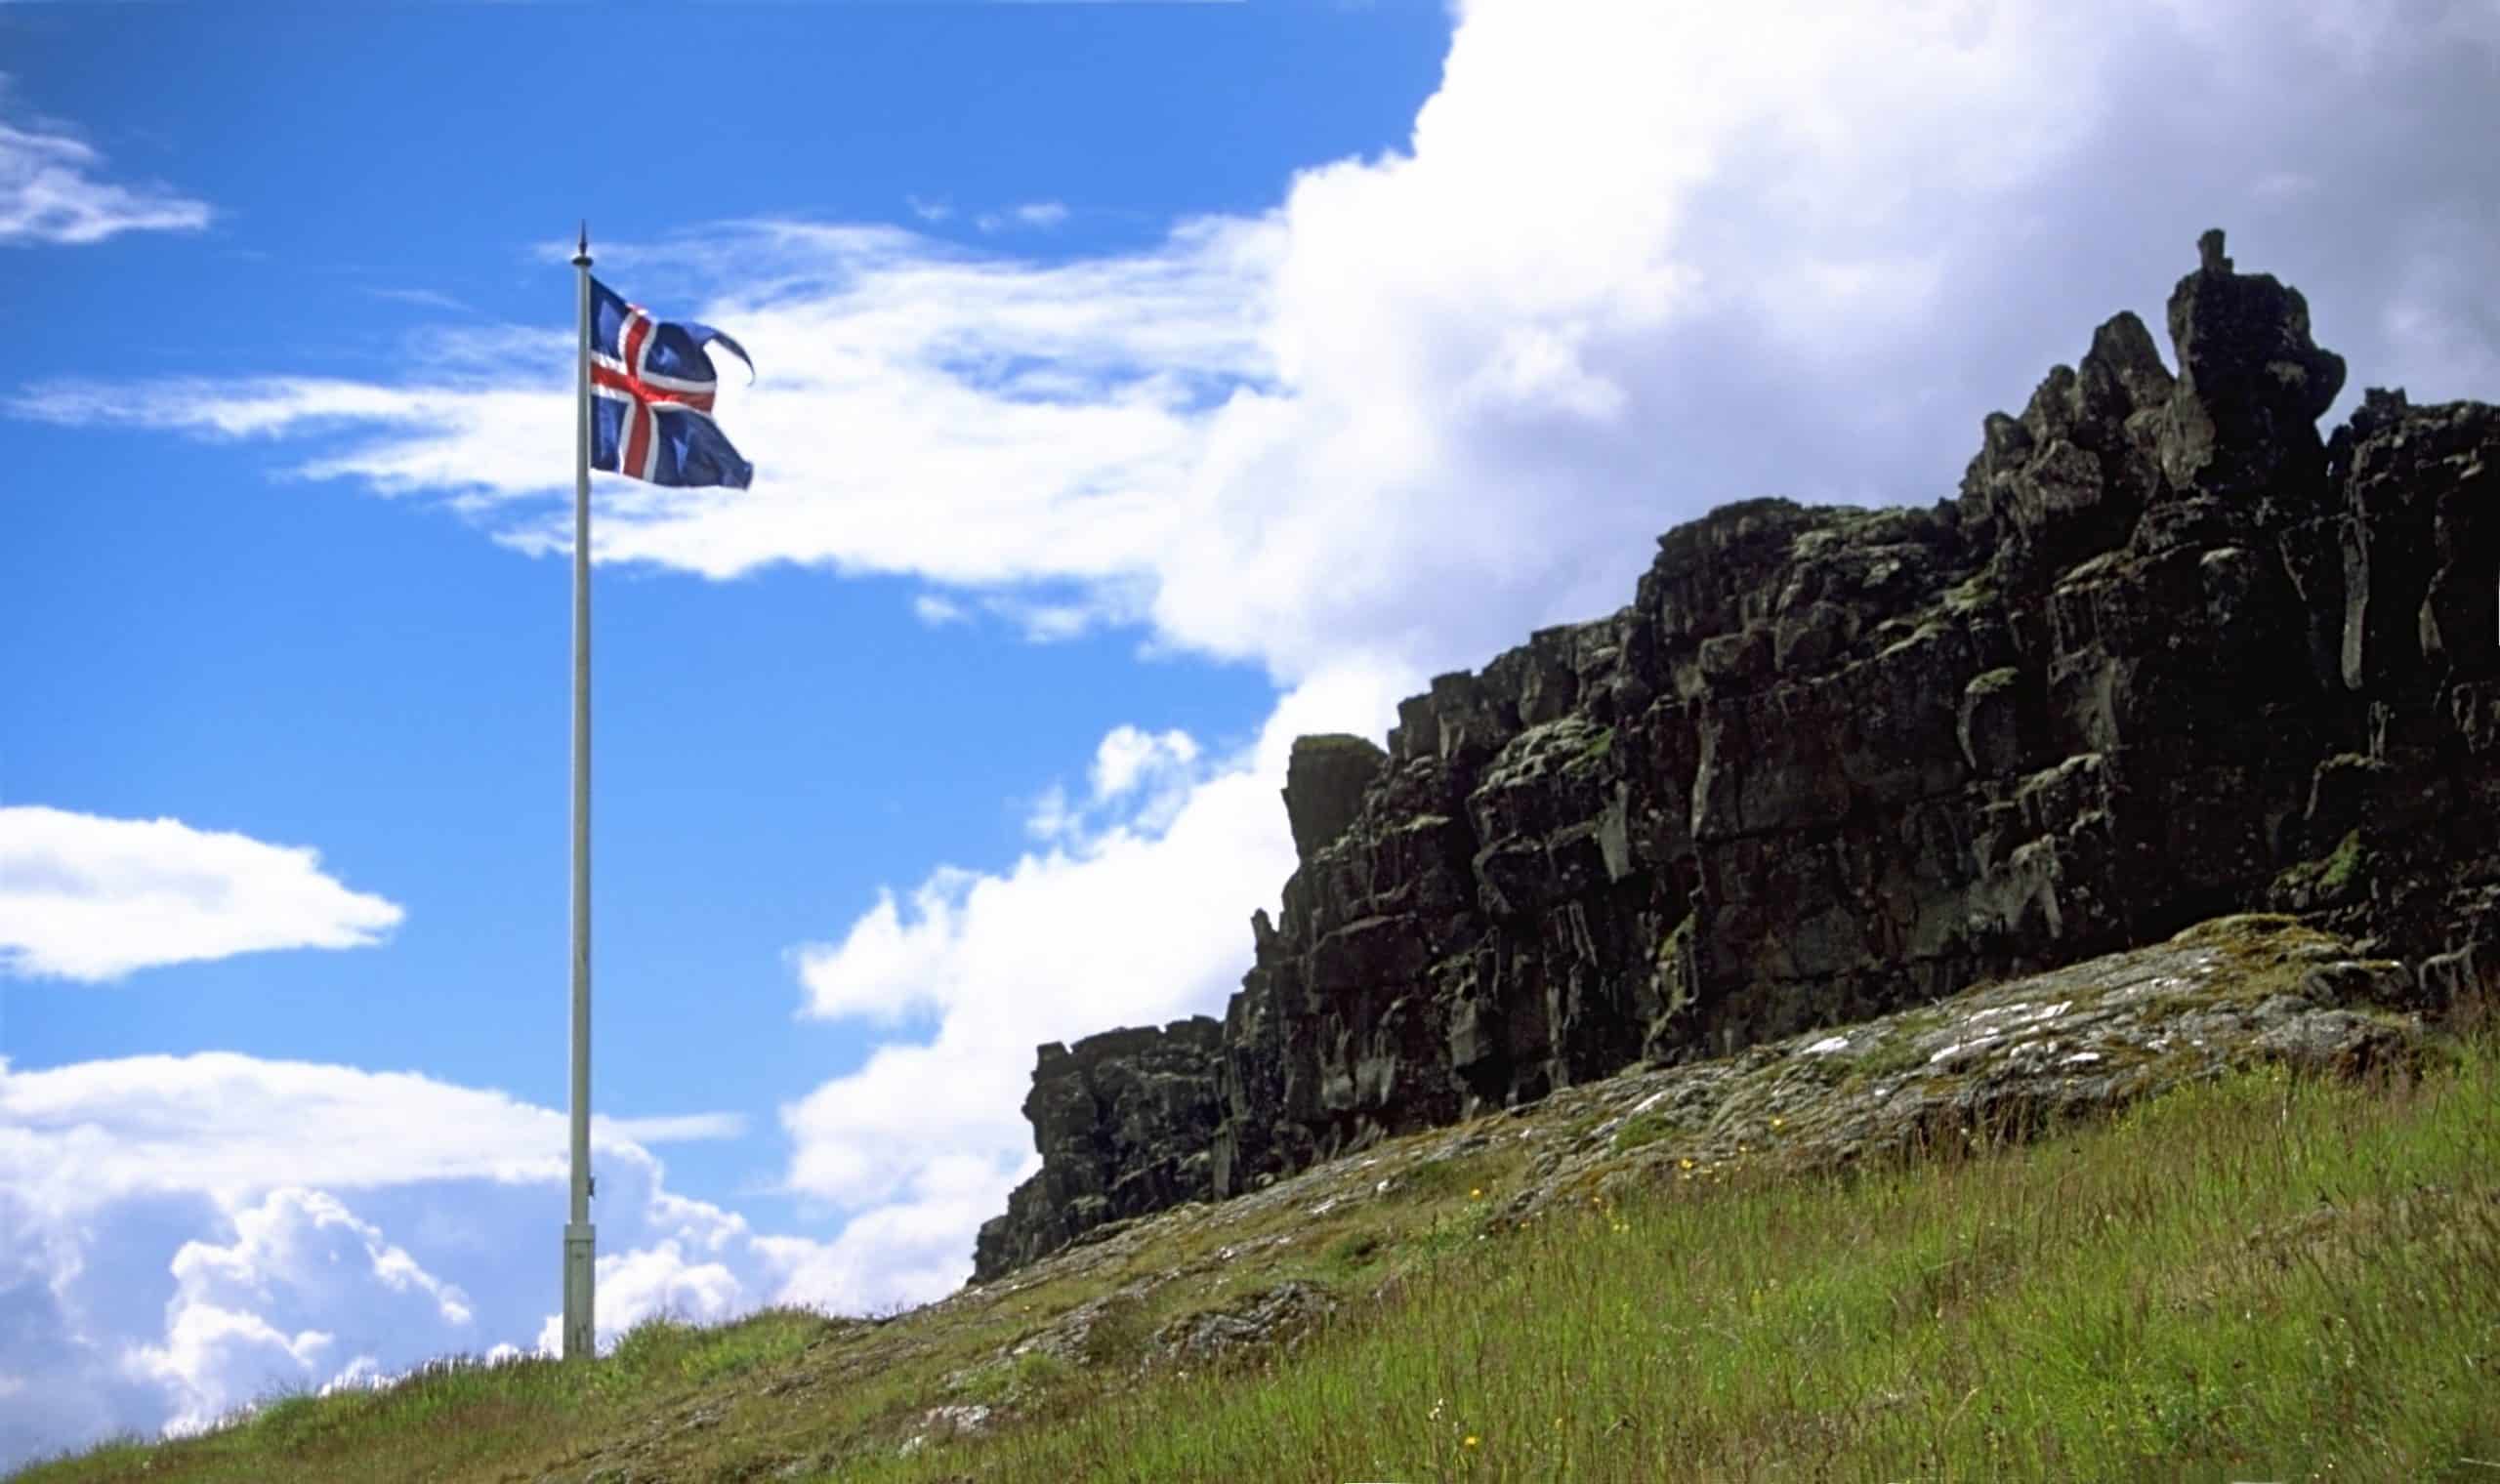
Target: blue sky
1140	386
258	653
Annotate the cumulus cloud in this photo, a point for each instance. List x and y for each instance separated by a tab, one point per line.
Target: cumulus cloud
1137	780
52	190
661	1281
180	1236
301	1252
1134	914
1118	925
90	898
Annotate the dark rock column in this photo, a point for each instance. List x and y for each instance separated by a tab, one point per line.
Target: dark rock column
1324	781
2252	385
1123	1121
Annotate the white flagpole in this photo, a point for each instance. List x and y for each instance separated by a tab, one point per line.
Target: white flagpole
580	1237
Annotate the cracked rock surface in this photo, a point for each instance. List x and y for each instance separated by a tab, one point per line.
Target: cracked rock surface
2166	655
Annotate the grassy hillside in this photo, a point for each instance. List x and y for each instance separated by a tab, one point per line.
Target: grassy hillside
2263	1276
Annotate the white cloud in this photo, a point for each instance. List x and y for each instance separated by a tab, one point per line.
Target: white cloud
1040	215
223	1125
362	1373
51	192
1127	757
270	1241
1633	261
1137	783
1047	622
656	1282
1117	928
180	1235
300	1253
90	898
1137	917
1051	816
911	1249
929	211
1123	904
424	298
935	611
203	1346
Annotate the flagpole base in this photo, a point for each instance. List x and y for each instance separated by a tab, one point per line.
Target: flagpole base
581	1242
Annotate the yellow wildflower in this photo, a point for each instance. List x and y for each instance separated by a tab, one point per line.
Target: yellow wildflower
1470	1440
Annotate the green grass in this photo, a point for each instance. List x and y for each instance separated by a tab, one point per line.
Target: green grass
1642	1129
2255	1278
2259	1277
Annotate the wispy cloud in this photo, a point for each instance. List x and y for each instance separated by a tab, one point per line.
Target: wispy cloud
52	190
929	211
424	298
965	386
93	899
1040	215
933	610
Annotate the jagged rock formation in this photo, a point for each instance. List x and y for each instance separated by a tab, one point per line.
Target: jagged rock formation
1123	1120
2167	655
1324	782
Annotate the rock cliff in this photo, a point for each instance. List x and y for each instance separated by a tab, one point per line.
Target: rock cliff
2167	655
1123	1120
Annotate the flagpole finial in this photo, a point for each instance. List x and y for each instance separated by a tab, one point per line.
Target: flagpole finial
581	247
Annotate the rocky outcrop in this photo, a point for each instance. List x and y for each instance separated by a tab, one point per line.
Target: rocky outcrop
2166	655
1989	1067
1324	781
1123	1121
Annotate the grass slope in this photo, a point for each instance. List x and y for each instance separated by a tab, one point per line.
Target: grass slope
2260	1277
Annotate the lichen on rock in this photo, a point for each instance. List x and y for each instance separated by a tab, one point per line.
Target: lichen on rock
2165	657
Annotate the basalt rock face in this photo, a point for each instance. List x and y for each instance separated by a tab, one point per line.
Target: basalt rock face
1123	1121
2166	656
1324	782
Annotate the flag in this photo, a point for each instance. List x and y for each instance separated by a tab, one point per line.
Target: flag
650	388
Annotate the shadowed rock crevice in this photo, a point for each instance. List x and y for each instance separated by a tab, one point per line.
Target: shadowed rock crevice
2167	655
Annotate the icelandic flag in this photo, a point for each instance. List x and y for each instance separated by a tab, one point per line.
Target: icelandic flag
650	389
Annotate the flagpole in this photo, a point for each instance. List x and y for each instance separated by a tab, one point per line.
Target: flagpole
580	1237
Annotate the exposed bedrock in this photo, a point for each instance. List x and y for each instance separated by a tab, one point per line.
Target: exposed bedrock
2166	655
1123	1120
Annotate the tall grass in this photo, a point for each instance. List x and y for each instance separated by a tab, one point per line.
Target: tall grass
2258	1278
